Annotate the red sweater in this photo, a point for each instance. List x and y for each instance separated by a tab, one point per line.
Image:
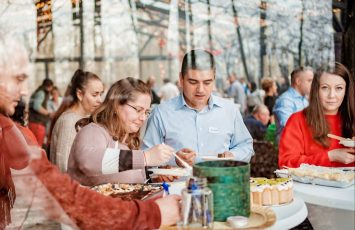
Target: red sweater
297	145
86	208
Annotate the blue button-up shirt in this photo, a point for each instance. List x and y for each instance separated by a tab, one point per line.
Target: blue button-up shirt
288	103
217	128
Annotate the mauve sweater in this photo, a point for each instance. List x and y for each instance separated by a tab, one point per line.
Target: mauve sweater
89	166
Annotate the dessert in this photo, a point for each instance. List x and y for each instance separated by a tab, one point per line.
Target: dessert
320	172
127	191
221	155
275	191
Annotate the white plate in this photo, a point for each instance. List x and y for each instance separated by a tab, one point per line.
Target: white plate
171	172
348	143
215	158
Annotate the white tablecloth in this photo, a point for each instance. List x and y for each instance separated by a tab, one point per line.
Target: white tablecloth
287	216
328	207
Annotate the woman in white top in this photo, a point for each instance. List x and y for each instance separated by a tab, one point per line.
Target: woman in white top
82	97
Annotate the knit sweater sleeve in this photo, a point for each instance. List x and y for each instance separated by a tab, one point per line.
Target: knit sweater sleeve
17	154
90	210
64	133
297	145
93	160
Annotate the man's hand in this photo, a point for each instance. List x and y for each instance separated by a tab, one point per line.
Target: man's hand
188	155
169	209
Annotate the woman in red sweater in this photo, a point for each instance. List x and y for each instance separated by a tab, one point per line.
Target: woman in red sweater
331	110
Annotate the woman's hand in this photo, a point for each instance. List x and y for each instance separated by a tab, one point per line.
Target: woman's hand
344	155
169	209
158	155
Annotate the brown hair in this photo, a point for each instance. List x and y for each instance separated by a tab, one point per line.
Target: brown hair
79	81
120	93
267	83
314	112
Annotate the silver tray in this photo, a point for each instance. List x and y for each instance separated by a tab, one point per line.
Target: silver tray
314	180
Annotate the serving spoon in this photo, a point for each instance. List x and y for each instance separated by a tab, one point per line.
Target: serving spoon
337	137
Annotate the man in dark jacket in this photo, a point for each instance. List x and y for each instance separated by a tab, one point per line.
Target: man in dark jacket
257	121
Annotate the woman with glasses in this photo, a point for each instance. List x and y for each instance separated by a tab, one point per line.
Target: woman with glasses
106	149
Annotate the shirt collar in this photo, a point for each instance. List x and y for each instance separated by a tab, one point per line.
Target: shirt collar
294	92
213	101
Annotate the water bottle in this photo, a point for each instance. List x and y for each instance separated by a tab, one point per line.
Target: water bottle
197	204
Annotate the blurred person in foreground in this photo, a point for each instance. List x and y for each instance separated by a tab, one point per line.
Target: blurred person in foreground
197	123
294	99
106	149
331	110
87	209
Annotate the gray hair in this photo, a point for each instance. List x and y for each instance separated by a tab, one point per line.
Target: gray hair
13	55
258	108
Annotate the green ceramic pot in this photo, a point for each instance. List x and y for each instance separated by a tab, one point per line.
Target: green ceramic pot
229	182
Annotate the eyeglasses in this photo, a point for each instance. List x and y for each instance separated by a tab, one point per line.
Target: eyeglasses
140	110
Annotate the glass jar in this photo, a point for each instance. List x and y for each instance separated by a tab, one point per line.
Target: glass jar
197	204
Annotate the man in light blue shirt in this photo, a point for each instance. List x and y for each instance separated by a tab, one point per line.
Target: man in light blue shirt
196	122
294	99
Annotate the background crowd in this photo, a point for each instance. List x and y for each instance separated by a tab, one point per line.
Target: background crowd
95	137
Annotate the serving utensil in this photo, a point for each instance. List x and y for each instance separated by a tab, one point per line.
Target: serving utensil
337	137
184	163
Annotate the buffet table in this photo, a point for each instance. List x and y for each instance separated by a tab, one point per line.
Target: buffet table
328	207
287	216
291	215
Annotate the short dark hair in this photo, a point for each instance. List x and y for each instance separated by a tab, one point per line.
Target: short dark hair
197	59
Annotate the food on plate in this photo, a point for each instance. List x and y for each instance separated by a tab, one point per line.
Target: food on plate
127	191
275	191
326	173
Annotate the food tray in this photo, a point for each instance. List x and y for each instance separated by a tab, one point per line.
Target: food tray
315	180
129	191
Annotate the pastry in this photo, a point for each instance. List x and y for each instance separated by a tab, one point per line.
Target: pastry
276	191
